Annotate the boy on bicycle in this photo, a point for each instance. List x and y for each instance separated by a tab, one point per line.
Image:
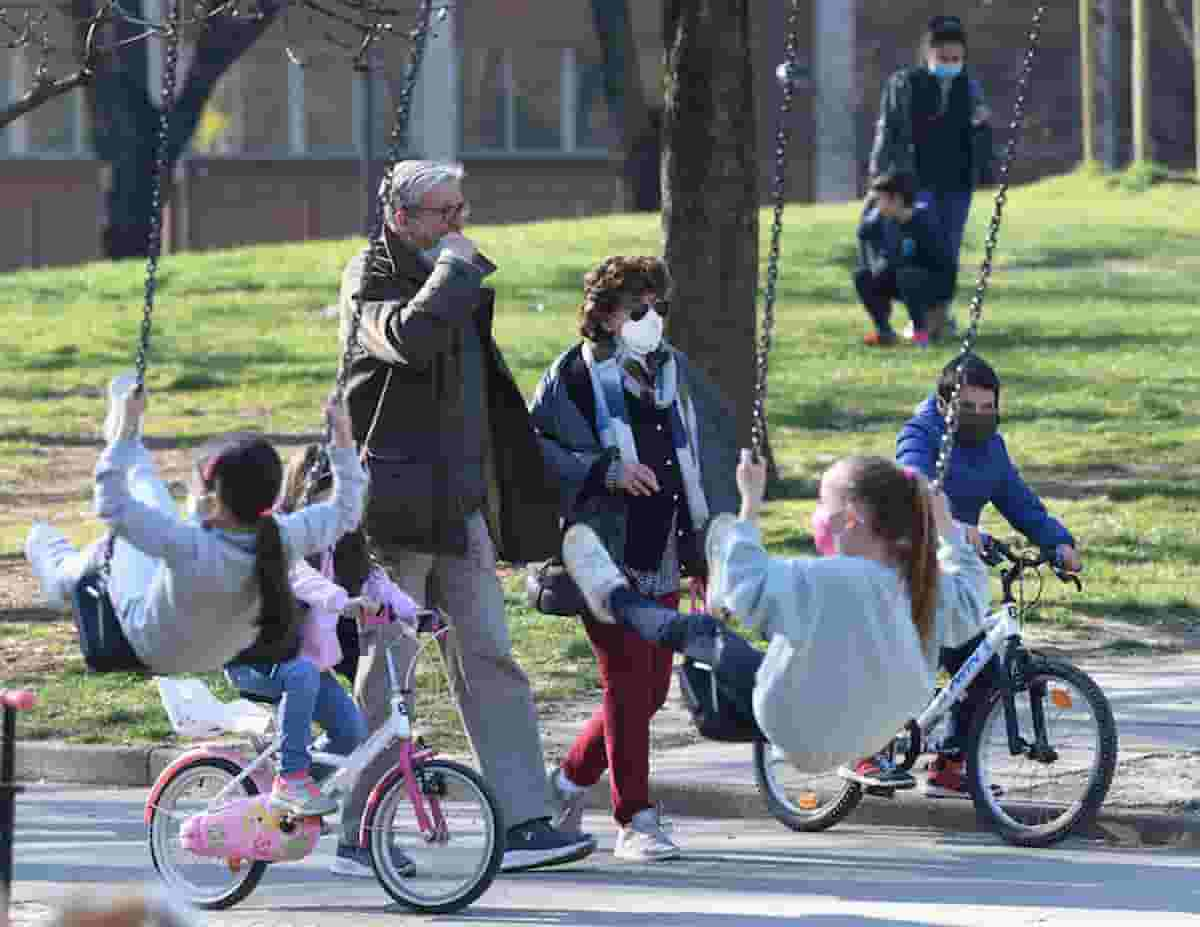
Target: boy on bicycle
979	471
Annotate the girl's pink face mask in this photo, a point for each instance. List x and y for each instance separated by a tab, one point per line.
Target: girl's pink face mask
823	536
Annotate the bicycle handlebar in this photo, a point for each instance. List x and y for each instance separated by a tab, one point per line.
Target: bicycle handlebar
994	552
17	699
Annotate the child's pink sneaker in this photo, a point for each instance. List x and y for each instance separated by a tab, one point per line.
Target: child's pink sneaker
920	339
299	795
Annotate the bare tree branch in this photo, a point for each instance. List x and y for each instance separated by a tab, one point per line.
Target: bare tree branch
1182	26
40	93
25	25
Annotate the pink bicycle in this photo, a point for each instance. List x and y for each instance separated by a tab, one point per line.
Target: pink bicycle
432	826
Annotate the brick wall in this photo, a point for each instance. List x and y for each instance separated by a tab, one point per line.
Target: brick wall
52	212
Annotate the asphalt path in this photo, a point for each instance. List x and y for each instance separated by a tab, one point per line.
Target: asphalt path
72	842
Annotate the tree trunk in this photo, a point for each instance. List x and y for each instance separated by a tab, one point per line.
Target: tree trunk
125	116
640	145
710	193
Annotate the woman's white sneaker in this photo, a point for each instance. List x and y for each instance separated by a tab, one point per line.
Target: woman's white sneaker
643	840
568	814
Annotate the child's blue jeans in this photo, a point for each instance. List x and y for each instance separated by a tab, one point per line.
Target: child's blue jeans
308	695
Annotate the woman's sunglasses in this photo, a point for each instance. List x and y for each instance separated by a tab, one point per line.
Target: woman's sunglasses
661	306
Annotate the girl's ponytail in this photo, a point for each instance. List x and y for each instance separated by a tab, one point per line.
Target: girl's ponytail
247	473
278	623
921	563
902	512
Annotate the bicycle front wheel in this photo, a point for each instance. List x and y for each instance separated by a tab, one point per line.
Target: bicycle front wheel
447	873
1056	781
802	801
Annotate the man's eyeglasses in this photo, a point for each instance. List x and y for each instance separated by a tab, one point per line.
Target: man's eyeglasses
454	211
638	311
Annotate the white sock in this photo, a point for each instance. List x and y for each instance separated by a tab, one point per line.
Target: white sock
568	786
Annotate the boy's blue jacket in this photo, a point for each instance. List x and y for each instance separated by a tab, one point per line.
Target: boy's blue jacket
977	476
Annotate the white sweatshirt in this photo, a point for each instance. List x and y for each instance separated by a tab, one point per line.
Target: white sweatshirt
201	606
845	668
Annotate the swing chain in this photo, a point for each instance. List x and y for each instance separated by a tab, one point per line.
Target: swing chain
758	431
397	142
159	171
975	310
154	240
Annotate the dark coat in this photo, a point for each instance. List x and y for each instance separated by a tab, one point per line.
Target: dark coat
887	245
413	325
940	147
564	414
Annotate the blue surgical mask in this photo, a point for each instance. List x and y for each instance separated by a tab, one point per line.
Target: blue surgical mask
946	70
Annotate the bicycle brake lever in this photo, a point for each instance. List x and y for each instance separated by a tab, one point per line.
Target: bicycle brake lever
429	620
1066	576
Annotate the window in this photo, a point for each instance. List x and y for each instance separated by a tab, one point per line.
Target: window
549	100
330	104
57	128
595	126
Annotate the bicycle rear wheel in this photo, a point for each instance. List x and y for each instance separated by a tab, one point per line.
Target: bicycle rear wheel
450	873
205	882
1037	797
802	801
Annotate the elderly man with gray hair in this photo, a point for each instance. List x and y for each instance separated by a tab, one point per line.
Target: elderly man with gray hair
457	480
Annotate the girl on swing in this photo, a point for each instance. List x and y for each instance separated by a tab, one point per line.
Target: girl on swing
191	594
854	635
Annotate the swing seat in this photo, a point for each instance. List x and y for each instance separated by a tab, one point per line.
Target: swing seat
103	644
716	713
194	711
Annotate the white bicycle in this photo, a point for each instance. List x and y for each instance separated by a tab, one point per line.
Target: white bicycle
433	827
1042	747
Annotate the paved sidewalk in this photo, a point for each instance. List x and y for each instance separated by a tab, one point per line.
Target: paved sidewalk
1155	797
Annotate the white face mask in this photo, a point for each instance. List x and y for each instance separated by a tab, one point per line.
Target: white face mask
643	336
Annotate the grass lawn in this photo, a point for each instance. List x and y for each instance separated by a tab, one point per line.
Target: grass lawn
1090	321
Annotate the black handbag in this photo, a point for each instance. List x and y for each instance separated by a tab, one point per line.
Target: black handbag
549	589
717	713
101	640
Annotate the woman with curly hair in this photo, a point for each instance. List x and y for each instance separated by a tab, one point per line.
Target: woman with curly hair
644	448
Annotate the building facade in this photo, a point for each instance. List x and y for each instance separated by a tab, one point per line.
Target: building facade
515	90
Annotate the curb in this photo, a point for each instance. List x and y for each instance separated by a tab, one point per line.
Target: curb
137	767
1116	827
88	764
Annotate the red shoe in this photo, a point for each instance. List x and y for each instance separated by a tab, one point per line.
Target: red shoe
947	779
876	339
920	339
873	774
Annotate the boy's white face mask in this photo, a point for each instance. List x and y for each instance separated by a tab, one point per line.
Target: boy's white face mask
643	336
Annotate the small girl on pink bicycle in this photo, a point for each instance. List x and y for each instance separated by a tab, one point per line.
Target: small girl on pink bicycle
306	683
